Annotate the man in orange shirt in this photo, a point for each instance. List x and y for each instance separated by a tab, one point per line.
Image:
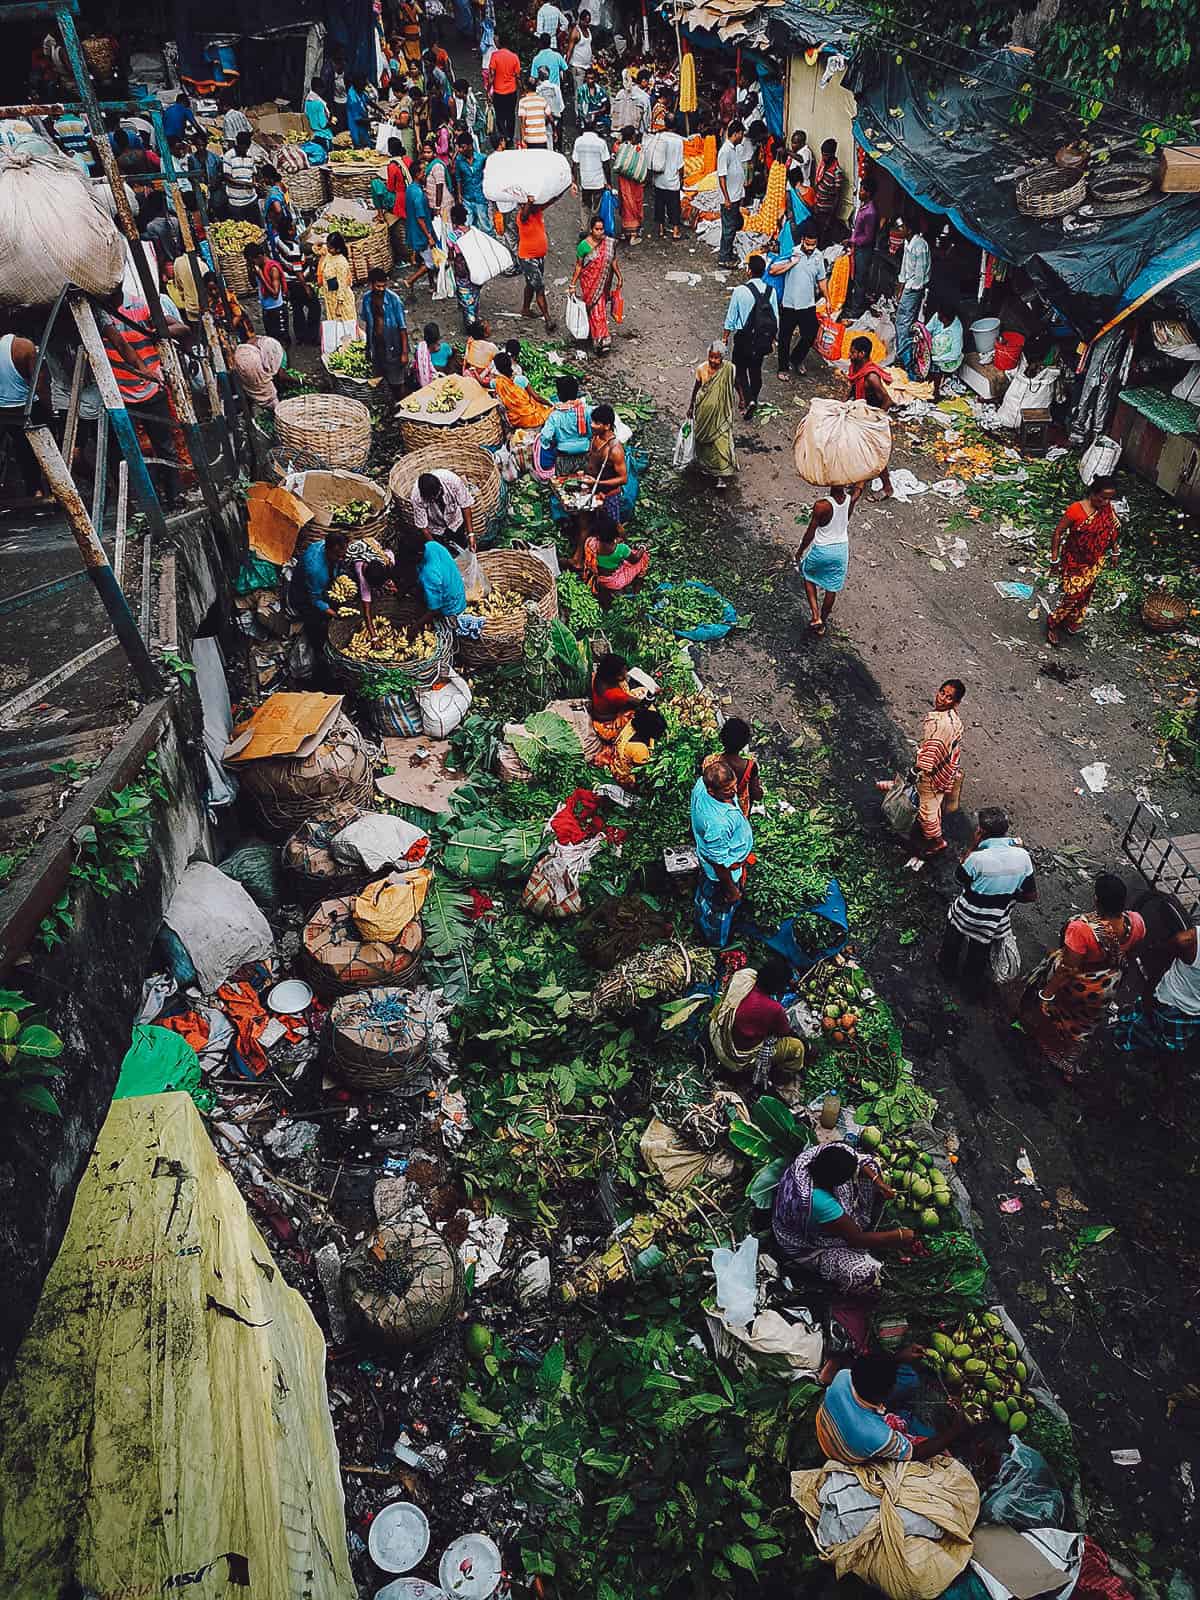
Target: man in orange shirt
504	73
532	246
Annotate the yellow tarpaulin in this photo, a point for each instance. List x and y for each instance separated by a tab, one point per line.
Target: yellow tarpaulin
167	1425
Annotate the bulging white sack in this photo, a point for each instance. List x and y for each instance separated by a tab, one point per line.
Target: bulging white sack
52	232
842	442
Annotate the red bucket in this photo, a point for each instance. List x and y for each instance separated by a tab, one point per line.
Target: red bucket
1008	351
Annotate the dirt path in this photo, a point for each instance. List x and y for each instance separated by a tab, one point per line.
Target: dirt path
1116	1329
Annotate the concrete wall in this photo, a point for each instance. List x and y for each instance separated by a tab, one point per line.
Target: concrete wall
823	114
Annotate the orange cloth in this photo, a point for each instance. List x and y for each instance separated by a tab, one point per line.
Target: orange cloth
699	157
522	410
240	1003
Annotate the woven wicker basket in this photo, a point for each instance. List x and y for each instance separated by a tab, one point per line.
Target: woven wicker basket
334	428
1051	191
503	638
373	1040
288	789
306	188
470	461
335	957
1163	613
351	180
485	430
306	855
428	1268
235	272
373	251
325	491
101	54
420	673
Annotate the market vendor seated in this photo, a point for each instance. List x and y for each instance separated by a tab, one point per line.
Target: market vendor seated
479	353
566	433
633	746
613	699
373	570
749	1029
523	406
611	566
862	1417
824	1206
311	577
424	564
604	472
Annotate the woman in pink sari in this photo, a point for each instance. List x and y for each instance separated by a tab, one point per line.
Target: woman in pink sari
597	276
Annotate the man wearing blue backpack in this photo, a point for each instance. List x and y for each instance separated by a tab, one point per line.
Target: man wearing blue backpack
752	322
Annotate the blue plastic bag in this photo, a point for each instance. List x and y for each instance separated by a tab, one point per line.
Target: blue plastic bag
607	212
1025	1494
832	909
707	632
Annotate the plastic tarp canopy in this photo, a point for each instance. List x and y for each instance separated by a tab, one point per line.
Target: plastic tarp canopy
167	1425
946	140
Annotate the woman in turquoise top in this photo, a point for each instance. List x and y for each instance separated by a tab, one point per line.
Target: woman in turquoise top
427	564
824	1207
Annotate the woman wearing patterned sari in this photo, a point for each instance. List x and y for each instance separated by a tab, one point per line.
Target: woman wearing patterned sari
1067	996
597	275
711	408
1086	535
725	845
824	1207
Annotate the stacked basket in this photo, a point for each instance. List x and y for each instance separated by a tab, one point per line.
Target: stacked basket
337	959
373	251
503	637
375	1038
236	273
289	789
307	856
473	464
486	430
306	188
1051	191
324	492
351	180
331	427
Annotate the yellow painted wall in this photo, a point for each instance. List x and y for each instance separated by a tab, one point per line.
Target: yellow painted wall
823	114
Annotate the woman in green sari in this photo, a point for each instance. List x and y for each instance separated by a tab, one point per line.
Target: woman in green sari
711	408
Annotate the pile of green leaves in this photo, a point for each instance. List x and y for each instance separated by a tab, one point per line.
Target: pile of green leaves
796	852
28	1051
684	607
645	1470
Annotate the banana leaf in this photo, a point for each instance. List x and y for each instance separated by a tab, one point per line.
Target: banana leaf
773	1119
444	917
546	735
750	1141
475	853
762	1186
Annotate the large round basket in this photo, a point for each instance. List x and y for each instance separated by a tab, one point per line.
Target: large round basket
376	1038
289	789
343	383
306	188
235	272
334	428
316	871
421	672
1051	191
100	52
324	492
336	958
486	430
373	251
403	1283
471	463
1163	613
503	638
351	180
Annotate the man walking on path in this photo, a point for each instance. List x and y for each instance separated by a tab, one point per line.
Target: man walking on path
997	872
751	321
804	280
937	766
668	176
504	71
731	175
532	248
591	158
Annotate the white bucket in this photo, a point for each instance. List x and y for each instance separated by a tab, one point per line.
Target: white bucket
984	334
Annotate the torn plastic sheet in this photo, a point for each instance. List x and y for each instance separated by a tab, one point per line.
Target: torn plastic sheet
483	1245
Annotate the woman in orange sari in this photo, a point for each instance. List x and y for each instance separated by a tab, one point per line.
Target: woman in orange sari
1084	538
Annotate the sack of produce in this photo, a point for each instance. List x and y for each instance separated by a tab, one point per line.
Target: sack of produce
385	908
486	257
404	1281
52	232
517	175
842	442
444	706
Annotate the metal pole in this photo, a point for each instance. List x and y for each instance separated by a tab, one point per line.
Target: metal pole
95	561
114	405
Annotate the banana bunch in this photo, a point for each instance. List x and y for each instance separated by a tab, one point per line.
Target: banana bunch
342	588
347	227
232	237
349	157
449	394
351	360
497	603
352	513
391	644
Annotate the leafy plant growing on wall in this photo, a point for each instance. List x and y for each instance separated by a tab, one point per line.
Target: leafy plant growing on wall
27	1050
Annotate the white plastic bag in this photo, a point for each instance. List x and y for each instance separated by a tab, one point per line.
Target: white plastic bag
685	445
52	232
335	333
444	706
519	175
842	442
1005	958
737	1281
377	840
443	289
473	576
1099	459
506	464
576	318
1016	398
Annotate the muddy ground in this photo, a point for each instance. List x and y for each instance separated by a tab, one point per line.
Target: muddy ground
1117	1334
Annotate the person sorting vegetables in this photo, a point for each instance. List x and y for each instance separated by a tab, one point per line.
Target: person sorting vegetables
864	1415
725	846
423	561
611	566
613	701
824	1205
372	571
633	746
443	503
749	1029
604	474
311	577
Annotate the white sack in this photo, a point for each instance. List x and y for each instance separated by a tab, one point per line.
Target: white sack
517	175
52	232
218	925
376	840
486	257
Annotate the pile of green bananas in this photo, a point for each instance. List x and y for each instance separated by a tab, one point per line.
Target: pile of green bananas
350	361
231	238
981	1363
346	226
352	513
362	157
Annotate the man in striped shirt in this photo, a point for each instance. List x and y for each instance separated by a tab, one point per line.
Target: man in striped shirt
532	111
997	872
937	761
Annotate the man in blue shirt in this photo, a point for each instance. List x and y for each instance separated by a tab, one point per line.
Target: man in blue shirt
468	177
803	274
567	431
997	872
418	228
549	58
179	118
309	591
442	585
750	345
